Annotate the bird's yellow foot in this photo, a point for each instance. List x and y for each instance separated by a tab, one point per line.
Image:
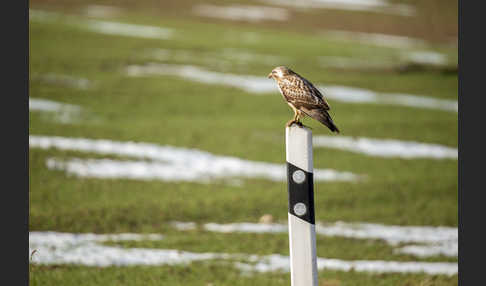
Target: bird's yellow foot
301	125
290	122
296	122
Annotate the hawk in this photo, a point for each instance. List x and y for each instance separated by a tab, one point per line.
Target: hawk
302	97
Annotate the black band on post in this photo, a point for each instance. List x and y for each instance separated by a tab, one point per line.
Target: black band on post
301	193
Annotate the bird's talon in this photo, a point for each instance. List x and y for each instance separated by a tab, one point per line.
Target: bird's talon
289	123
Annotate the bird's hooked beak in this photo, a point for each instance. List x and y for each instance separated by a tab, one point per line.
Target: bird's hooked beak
270	75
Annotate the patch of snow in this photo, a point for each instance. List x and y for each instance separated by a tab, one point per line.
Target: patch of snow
426	57
242	12
225	58
124	29
201	172
432	240
386	147
249	56
41	104
181	225
261	85
64	80
343	62
246	227
360	95
86	249
42	16
170	163
102	11
252	84
380	6
447	248
105	27
61	238
392	234
62	112
383	40
277	262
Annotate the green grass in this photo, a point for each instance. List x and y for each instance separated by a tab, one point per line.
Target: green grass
228	121
210	274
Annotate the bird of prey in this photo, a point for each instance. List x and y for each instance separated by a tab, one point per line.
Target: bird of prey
302	97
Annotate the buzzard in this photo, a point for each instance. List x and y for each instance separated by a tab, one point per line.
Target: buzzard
302	97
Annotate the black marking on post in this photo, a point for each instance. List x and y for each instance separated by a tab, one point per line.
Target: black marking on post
301	193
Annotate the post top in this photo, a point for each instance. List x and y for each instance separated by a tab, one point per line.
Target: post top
297	127
299	147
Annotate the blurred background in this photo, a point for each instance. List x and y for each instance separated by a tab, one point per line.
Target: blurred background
157	149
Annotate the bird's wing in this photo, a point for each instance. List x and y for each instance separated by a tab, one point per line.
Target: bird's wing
300	91
316	92
322	116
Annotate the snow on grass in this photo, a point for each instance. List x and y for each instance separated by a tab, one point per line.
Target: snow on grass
382	40
388	148
104	27
61	112
392	234
261	85
246	227
43	16
361	95
225	58
169	163
64	80
102	11
252	84
443	248
182	225
61	238
346	62
40	104
87	249
277	262
124	29
380	6
242	12
426	57
422	241
202	171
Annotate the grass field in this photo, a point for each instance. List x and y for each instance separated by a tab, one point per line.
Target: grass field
228	121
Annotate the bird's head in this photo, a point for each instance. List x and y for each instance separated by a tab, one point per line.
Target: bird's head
279	72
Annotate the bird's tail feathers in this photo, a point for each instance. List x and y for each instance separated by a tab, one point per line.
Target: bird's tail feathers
323	117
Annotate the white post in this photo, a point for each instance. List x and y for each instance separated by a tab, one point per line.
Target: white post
302	233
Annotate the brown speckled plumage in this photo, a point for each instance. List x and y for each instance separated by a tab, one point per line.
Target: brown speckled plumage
303	97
